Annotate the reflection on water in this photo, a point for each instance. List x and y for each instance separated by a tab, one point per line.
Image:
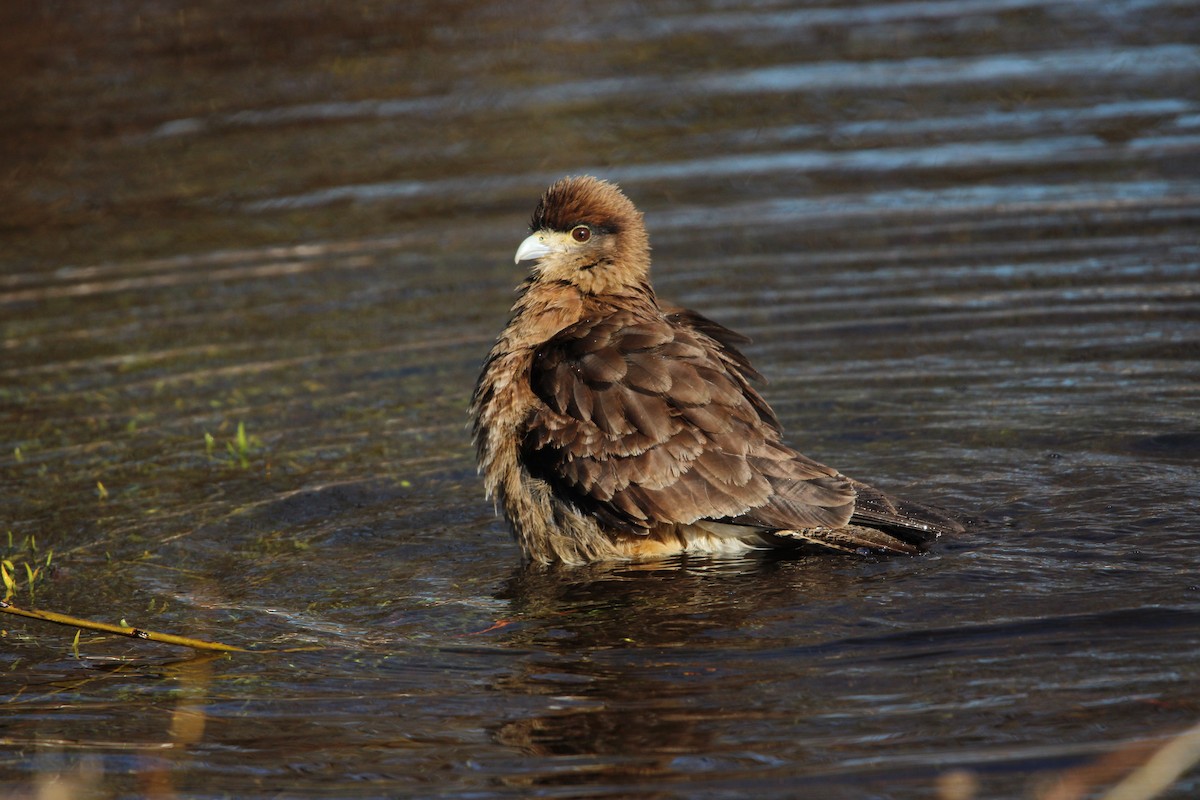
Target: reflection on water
961	233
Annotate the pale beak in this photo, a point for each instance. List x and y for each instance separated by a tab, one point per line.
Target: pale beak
535	246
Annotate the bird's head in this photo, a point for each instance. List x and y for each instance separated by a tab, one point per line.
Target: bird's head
586	233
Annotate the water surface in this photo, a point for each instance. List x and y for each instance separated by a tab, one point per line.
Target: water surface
962	235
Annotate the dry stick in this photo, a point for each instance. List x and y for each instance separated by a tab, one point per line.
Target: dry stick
121	630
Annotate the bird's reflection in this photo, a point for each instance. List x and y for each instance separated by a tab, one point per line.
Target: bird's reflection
632	661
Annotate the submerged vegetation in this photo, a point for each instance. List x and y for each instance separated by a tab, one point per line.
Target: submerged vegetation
238	449
24	562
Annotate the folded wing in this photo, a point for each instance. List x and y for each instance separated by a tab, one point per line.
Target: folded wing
652	421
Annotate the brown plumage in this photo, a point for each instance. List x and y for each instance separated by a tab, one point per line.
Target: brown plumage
609	426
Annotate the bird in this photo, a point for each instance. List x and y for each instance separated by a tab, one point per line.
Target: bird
612	427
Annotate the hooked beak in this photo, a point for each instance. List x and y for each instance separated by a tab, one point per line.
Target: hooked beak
535	246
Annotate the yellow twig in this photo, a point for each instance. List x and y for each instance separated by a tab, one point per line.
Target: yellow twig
120	630
1161	770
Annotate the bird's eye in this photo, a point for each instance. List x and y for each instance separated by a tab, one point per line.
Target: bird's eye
581	233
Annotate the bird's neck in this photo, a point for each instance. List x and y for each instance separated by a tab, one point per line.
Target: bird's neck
541	311
503	396
545	308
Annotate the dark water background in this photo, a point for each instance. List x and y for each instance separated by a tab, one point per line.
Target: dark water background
963	234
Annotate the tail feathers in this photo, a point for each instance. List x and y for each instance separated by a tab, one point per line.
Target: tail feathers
880	524
903	518
853	539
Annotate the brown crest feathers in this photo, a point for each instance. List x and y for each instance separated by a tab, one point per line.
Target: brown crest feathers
588	201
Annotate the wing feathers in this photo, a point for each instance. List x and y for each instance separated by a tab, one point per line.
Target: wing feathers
603	366
644	374
724	468
652	421
651	415
580	404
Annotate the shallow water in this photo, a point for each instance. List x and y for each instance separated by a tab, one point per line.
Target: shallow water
962	234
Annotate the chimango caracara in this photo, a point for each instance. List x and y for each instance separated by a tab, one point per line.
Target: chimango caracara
610	426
